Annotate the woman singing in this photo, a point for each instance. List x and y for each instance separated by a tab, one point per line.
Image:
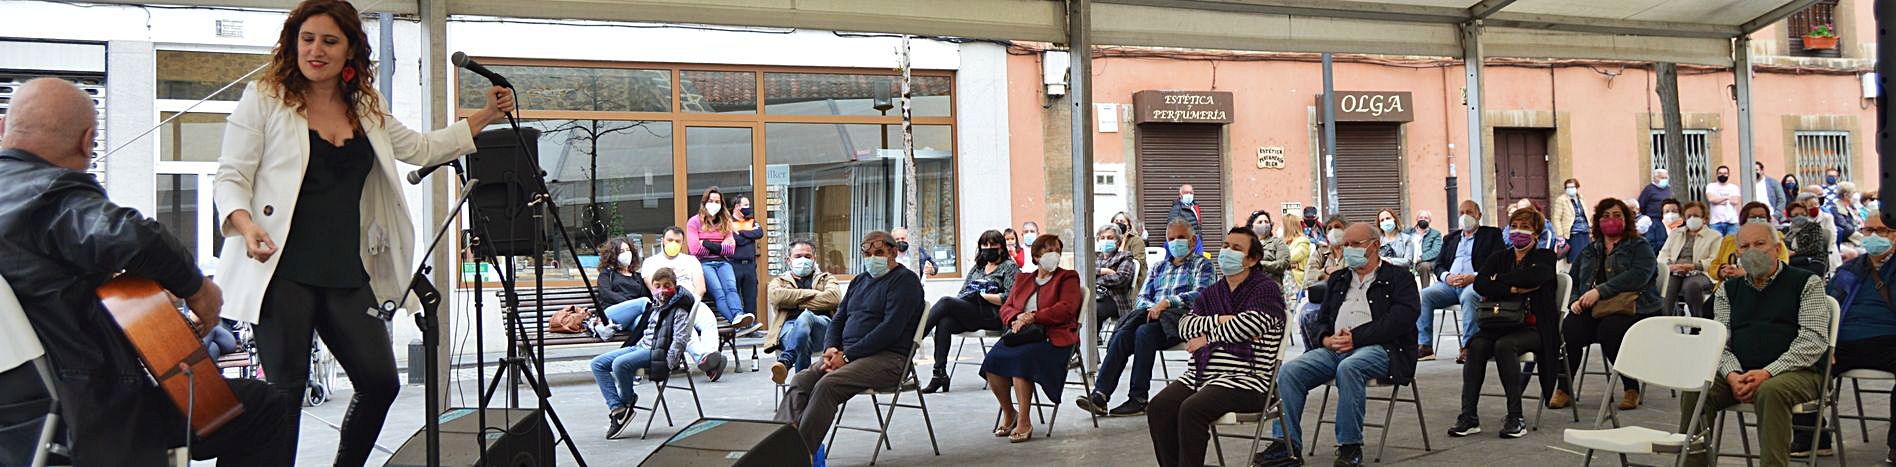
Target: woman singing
309	160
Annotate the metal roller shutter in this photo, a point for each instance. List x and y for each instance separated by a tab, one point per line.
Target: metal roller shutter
1368	170
91	84
1173	154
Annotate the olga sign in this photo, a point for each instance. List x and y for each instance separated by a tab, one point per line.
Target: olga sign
1372	106
1181	107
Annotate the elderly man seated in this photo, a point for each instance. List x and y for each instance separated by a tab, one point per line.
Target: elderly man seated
1368	321
1780	325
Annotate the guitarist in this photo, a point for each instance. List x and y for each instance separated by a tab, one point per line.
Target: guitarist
60	239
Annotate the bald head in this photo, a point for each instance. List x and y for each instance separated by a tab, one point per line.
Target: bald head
1362	235
53	119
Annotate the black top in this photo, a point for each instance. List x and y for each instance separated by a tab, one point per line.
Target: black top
747	242
616	288
323	249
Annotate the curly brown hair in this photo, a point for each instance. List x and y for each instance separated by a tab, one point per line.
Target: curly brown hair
287	82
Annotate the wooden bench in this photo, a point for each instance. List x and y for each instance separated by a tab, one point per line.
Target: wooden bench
534	316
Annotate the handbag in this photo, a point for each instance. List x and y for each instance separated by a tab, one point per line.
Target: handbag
569	320
1623	303
1501	315
1026	335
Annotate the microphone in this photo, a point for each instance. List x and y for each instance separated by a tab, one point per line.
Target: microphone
460	59
415	176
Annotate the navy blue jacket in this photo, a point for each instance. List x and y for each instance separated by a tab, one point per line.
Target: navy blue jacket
878	314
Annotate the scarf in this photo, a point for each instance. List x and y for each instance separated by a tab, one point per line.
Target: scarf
1222	300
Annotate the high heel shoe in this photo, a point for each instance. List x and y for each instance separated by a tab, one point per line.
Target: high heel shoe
939	383
1006	429
1022	437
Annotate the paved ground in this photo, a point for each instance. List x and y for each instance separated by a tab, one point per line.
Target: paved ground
963	418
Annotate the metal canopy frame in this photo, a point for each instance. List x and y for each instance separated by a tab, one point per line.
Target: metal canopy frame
1469	29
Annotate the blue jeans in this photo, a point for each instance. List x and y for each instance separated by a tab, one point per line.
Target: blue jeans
1352	372
624	313
801	338
1141	341
720	282
1725	228
614	372
1439	296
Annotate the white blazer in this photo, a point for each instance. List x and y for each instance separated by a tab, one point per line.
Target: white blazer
1704	246
266	151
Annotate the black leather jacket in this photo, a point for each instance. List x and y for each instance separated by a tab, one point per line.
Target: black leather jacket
60	238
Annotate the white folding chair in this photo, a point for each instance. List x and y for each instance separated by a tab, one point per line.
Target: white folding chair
1692	347
895	396
20	346
1824	406
1857	377
961	341
1271	408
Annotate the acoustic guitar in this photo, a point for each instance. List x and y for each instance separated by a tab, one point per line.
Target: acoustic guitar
168	345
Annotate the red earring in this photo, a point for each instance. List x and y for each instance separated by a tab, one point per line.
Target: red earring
348	74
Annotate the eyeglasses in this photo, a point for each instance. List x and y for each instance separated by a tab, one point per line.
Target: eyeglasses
1878	231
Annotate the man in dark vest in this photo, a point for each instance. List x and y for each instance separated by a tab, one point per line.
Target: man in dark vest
1780	326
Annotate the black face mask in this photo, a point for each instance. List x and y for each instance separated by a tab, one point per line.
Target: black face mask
746	211
1424	225
1723	178
902	246
988	255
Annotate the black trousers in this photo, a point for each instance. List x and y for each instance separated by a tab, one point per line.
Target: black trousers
1583	329
1868	354
746	273
1505	351
293	313
952	315
1180	419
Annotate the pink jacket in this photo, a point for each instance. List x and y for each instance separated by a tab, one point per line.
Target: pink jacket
696	234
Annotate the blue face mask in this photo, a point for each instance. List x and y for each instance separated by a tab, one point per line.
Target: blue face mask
1179	248
1665	183
876	266
1387	225
1876	245
1108	246
1230	262
802	267
1355	257
1185	198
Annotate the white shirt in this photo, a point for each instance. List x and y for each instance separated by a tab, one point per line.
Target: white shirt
1355	309
689	273
1762	189
1726	212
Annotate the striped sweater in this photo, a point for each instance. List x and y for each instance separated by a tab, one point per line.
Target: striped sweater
1813	327
1257	329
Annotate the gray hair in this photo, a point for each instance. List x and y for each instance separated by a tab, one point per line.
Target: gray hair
1110	228
1181	222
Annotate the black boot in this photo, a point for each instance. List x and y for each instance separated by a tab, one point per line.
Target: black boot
938	383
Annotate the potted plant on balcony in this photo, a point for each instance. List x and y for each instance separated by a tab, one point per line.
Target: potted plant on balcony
1820	37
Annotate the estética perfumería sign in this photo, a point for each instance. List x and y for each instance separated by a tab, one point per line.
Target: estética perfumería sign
1181	107
1372	106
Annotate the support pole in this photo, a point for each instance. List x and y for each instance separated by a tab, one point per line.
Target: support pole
1741	71
1329	137
441	199
1080	78
1474	88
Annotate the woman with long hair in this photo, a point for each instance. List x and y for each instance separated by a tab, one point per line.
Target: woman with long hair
710	236
1616	262
1276	253
977	307
309	160
621	286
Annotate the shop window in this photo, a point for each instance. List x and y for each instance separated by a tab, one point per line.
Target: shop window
856	95
1689	183
830	184
584	89
1817	151
609	178
187	75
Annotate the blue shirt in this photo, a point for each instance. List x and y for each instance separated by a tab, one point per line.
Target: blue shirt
1464	255
1867	315
1579	216
1177	283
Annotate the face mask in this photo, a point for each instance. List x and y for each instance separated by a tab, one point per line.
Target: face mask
876	266
746	211
902	246
1757	263
1723	178
1230	262
1355	257
1694	223
1757	220
1664	183
712	208
1873	206
1790	187
1185	198
1335	236
1387	225
1049	261
1670	217
664	293
1800	219
1469	222
1262	228
673	248
802	267
625	258
1830	179
1123	227
1108	246
1310	221
1179	247
1876	245
1422	224
1572	191
988	255
1521	239
1027	239
1612	226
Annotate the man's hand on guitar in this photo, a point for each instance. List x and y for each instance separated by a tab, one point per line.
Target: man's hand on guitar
208	304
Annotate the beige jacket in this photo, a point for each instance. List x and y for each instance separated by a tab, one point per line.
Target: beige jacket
822	297
1704	247
1563	215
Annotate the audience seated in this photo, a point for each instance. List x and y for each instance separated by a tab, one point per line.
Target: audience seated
1613	287
1811	236
622	289
658	333
1725	262
976	308
1687	256
672	255
1519	313
1118	271
1368	323
1152	325
1868	331
1233	331
1780	326
1462	250
804	298
1042	329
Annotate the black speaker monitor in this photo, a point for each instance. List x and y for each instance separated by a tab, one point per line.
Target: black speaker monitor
508	180
526	441
736	443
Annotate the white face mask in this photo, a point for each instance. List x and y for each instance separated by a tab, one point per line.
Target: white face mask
712	208
1694	223
1469	222
1049	261
1671	217
625	258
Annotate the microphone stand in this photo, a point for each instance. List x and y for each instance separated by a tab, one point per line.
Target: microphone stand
428	321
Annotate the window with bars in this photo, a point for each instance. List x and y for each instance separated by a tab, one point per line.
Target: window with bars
1698	161
1817	151
93	85
1823	12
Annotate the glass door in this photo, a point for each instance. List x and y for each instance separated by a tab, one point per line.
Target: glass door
723	156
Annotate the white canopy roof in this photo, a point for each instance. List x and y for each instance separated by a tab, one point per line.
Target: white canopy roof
1684	31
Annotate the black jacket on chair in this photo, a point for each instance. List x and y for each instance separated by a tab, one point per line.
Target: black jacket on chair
1394	305
1487	241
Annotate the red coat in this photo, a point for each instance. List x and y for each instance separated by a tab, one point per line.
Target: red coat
1059	310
